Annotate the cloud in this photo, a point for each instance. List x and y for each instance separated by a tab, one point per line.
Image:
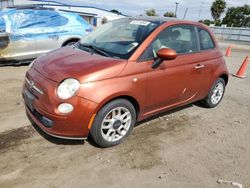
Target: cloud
197	9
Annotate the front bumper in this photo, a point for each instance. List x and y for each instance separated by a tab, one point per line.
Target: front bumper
42	109
35	122
74	126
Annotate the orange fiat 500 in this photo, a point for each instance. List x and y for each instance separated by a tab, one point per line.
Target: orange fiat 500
123	72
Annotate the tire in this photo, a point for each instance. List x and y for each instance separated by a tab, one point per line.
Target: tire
110	128
215	94
71	43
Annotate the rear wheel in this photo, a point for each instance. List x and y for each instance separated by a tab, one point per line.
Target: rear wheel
215	94
113	123
71	43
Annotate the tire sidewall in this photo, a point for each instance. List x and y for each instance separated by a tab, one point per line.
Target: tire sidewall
209	98
95	131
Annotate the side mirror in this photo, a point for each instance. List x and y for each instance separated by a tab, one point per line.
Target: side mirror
164	54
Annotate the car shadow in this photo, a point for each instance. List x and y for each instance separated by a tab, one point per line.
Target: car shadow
16	64
169	112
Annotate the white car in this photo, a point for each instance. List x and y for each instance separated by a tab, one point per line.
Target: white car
28	32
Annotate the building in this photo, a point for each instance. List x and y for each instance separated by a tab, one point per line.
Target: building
93	15
6	3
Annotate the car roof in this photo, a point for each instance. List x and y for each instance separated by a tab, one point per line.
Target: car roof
161	20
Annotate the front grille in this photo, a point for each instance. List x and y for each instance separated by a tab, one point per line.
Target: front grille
42	119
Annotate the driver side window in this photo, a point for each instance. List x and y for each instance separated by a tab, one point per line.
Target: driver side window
181	38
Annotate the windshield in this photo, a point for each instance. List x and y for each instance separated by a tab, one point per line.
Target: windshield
119	38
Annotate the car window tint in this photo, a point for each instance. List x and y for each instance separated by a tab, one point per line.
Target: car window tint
206	42
180	38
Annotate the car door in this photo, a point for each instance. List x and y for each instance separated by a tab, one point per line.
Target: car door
211	58
22	40
177	81
49	30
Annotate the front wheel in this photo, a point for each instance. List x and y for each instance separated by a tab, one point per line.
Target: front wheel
215	94
113	123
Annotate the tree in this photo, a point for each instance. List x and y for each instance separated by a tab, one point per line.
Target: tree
237	16
217	8
104	20
116	11
206	22
169	14
151	12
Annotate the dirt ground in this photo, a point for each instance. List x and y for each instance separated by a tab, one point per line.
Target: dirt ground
190	147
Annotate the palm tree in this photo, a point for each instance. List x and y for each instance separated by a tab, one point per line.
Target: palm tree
217	8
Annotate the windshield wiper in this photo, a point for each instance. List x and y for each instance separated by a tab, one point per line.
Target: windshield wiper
102	52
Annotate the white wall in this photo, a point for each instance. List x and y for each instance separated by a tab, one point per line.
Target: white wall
100	13
5	3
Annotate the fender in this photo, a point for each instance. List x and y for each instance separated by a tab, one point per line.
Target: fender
130	97
66	39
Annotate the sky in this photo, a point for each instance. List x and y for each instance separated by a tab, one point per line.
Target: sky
197	9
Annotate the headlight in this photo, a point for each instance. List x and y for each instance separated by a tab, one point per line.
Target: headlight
68	88
31	64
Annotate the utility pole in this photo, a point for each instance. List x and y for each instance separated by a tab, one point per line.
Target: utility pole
176	8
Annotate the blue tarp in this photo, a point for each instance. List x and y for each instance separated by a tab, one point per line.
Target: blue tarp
20	27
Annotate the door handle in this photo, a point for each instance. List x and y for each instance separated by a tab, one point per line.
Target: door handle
199	66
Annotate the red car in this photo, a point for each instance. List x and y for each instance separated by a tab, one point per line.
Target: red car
123	72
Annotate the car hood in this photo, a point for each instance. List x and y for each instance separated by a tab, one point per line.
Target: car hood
68	62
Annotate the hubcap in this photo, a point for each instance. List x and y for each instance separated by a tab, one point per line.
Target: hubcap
217	93
116	124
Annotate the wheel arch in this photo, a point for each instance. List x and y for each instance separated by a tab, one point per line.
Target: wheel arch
224	77
75	39
131	99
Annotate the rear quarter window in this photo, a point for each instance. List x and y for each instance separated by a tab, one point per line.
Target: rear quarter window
206	41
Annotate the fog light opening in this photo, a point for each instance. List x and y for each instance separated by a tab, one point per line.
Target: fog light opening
65	108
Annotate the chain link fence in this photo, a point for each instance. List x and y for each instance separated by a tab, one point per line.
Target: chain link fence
232	33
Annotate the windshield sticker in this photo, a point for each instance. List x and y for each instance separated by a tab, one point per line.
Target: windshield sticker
139	22
133	45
